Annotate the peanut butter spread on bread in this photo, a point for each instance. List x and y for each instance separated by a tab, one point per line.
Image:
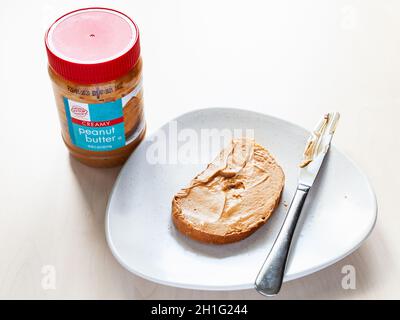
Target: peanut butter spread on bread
232	197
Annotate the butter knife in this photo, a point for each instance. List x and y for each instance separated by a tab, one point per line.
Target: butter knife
269	279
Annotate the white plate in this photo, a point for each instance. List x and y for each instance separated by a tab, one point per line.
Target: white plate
339	214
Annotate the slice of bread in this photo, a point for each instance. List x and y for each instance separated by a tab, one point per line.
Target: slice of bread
232	197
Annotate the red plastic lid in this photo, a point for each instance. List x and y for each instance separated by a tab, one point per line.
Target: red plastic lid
92	45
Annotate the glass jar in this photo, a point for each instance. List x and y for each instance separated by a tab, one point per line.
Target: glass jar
96	72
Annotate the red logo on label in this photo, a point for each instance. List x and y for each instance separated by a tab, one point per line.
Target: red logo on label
79	111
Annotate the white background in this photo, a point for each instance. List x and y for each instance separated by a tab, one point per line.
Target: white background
290	59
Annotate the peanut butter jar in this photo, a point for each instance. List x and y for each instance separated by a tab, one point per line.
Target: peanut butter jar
95	68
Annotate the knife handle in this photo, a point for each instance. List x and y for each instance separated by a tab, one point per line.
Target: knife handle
269	279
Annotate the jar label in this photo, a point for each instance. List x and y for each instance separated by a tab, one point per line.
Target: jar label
98	126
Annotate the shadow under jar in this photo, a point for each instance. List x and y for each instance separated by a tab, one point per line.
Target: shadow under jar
96	72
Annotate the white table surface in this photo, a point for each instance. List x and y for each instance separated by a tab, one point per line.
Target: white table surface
290	59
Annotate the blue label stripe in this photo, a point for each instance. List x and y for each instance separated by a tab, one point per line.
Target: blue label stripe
99	133
105	111
68	115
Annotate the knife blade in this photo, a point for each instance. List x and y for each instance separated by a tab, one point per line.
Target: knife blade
269	279
317	147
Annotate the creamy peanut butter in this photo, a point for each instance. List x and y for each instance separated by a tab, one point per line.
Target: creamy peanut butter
235	194
96	72
132	112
